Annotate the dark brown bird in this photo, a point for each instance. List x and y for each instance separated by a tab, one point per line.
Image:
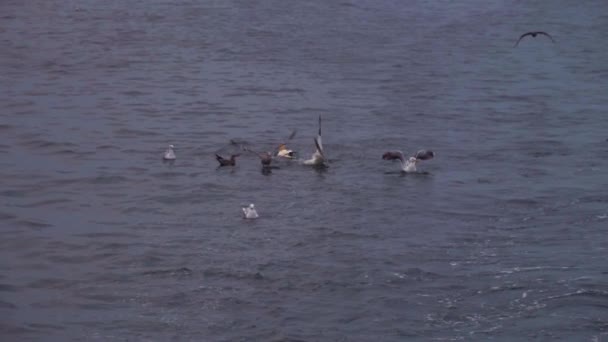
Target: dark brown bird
533	34
226	162
265	157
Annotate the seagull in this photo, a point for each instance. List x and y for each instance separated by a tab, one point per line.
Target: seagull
318	158
169	153
533	34
409	165
250	212
226	162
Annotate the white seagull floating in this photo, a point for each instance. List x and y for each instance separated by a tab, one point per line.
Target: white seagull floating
250	212
409	165
318	158
169	153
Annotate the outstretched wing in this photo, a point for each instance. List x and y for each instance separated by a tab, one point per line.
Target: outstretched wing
247	149
522	37
219	158
425	155
319	125
319	141
293	134
392	155
319	146
546	34
265	157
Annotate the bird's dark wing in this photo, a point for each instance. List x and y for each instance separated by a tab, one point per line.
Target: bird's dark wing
293	134
392	155
262	156
247	149
425	155
319	125
290	137
546	34
522	37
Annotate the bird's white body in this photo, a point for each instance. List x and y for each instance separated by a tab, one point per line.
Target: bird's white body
285	153
316	159
409	165
169	153
250	212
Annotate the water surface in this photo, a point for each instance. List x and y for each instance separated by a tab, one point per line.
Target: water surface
502	239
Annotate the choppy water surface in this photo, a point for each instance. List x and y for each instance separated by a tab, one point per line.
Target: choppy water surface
503	239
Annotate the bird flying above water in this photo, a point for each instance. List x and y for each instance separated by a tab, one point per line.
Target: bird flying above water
533	35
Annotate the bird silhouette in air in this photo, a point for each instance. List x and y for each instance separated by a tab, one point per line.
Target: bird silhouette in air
533	34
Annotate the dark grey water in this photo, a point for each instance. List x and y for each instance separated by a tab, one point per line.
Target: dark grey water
504	239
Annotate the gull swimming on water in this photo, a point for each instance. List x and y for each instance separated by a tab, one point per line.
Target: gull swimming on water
318	158
226	162
533	35
250	212
169	153
409	165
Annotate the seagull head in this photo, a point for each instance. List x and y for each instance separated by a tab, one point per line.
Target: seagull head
251	206
171	146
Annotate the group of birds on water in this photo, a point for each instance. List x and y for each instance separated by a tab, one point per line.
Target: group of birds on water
318	159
